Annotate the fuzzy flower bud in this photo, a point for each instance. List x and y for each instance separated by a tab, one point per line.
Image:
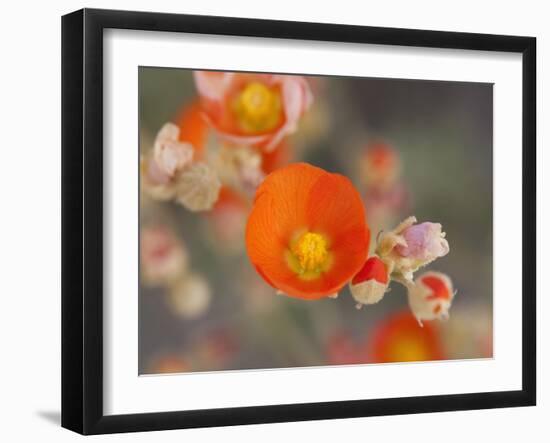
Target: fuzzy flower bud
240	167
198	187
430	296
411	246
380	165
169	154
163	257
190	296
370	283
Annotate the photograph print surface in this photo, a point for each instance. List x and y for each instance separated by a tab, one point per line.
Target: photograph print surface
294	221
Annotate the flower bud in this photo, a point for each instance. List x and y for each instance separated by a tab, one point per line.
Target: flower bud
198	187
380	165
431	296
154	182
370	283
169	154
190	296
240	167
411	246
163	256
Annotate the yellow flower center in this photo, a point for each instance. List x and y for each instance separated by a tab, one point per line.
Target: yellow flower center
309	255
258	108
408	349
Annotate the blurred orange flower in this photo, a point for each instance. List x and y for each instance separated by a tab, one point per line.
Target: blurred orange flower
380	165
193	127
399	338
253	109
169	364
307	234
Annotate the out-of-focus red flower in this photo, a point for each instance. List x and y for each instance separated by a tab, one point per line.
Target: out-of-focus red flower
387	202
163	257
169	364
253	109
380	165
193	127
399	338
341	349
386	196
217	349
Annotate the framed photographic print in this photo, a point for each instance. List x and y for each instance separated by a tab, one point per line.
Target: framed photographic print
269	221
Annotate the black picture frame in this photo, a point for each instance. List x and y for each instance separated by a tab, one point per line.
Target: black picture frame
82	220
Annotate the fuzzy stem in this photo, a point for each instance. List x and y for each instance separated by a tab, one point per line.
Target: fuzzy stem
402	280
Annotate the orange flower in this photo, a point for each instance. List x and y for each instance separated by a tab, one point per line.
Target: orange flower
400	338
307	234
253	109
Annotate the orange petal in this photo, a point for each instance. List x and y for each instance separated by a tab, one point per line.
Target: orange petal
266	242
278	212
193	127
335	209
290	189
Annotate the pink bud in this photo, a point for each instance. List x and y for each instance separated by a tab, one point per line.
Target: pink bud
169	153
424	242
163	257
411	246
